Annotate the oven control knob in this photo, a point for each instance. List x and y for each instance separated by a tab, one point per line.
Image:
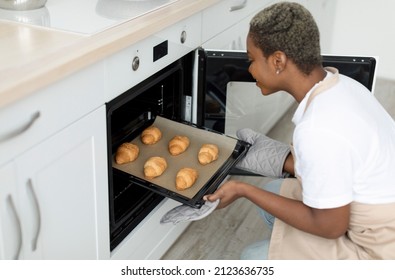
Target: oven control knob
135	63
183	37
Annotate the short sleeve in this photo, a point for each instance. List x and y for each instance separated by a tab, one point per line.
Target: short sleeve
324	162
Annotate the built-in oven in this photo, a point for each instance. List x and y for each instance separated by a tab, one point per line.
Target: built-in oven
161	94
210	90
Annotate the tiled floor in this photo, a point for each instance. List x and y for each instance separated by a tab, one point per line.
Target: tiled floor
224	233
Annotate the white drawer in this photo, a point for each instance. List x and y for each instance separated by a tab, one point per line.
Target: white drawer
227	13
31	120
120	75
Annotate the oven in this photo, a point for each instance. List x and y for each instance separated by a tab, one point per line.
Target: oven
160	94
201	89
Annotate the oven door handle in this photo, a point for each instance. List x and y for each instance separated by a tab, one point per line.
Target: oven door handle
238	7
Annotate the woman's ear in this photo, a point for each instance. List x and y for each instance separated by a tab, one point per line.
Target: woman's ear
279	60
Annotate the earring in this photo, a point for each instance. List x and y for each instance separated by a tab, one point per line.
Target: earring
278	71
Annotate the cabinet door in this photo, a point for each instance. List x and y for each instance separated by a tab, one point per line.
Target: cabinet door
230	13
234	38
10	225
62	188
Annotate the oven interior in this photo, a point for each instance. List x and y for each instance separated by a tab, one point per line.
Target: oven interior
161	94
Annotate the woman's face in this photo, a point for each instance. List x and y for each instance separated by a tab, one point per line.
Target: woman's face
261	69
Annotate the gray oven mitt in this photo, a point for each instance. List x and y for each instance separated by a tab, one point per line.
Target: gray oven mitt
185	213
266	156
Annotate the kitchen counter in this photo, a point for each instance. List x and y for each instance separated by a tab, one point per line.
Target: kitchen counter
32	57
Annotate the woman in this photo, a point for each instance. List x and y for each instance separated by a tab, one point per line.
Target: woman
342	204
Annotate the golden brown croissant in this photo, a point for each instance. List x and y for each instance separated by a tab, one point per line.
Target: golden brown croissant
208	153
185	178
127	152
154	167
151	135
178	144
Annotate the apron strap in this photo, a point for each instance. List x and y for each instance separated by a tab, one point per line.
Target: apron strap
321	87
324	85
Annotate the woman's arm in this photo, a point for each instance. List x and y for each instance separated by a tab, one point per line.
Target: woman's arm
289	164
327	223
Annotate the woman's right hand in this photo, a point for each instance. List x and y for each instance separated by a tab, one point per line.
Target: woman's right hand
227	193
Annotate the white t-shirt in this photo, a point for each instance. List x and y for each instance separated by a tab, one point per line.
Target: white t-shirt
344	147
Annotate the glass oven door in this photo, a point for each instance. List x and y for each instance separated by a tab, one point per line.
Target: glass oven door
228	98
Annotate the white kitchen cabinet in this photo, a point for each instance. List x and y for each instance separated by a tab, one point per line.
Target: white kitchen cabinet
226	14
229	33
54	197
10	226
33	119
232	36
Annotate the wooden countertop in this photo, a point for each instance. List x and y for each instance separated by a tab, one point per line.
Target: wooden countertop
34	57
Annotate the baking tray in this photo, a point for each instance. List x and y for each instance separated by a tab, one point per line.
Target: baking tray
231	150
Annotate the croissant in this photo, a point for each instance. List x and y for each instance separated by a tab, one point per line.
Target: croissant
151	135
185	178
154	167
127	152
208	153
178	144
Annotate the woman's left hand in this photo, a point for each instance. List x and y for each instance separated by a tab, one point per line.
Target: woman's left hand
227	193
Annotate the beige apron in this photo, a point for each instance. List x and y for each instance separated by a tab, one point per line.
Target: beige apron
371	233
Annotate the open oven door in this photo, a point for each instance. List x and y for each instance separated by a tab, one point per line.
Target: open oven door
227	98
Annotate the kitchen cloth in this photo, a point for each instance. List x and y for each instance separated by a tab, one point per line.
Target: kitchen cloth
185	213
266	156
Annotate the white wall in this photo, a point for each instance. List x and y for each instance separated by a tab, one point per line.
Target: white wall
366	27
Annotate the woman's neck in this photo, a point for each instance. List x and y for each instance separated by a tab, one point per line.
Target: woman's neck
301	83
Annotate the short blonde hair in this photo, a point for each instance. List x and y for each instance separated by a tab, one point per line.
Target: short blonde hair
290	28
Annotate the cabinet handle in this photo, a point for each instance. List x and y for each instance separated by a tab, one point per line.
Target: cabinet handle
21	129
37	207
238	7
13	209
